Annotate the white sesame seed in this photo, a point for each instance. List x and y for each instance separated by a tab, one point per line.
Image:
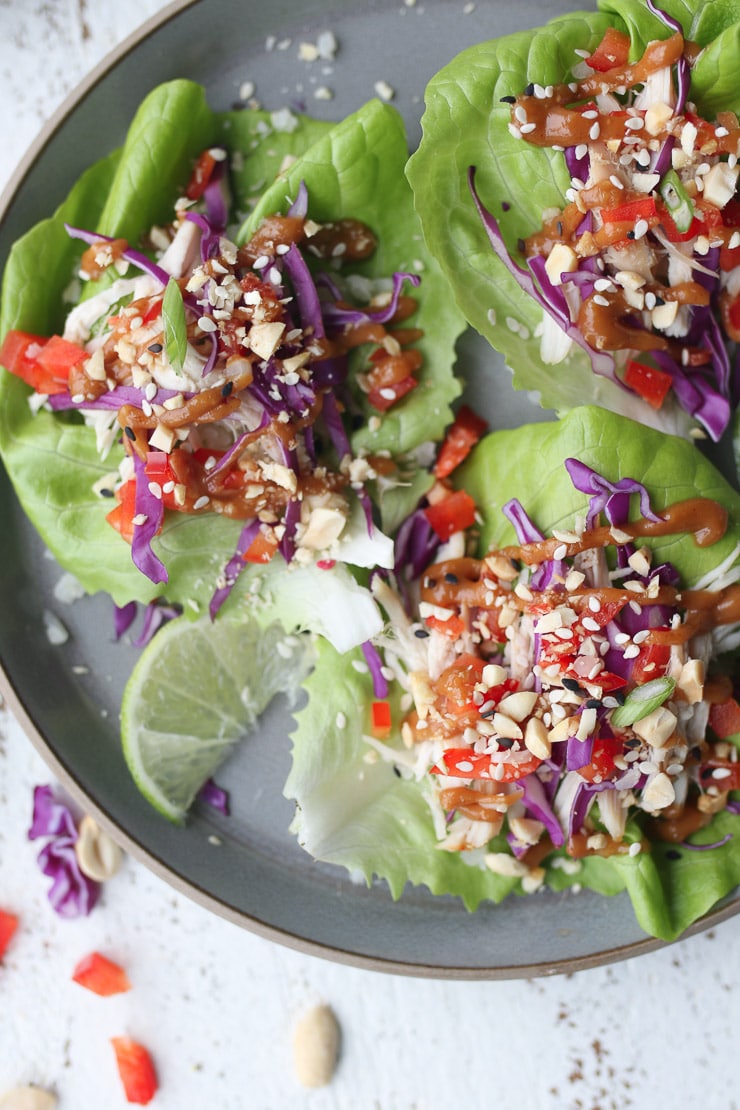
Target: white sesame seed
598	299
261	262
635	123
590	624
206	323
616	181
527	128
641	228
631	652
635	848
520	114
560	552
650	301
640	637
581	150
594	132
591	114
202	502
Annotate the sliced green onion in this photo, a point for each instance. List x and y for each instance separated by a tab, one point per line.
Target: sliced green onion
175	325
677	200
642	701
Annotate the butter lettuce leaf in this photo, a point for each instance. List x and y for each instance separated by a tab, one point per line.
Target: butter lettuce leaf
52	459
466	124
357	170
352	809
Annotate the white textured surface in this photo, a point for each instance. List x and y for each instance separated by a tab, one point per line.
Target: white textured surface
216	1005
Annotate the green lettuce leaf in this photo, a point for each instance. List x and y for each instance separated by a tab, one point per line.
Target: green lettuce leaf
465	124
52	460
356	170
353	810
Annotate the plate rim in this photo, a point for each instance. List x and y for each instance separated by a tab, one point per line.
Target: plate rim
127	841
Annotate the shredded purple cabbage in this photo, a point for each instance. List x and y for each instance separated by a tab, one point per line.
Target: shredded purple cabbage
215	796
71	893
136	258
375	664
306	294
611	498
234	567
151	508
123	617
601	362
707	847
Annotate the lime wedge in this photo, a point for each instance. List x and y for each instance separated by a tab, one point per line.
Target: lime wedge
194	694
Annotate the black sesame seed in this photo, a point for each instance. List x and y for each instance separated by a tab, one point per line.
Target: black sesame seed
619	695
560	228
521	246
508	100
593	703
155	348
451	578
571	684
504	742
421	633
429	583
630	234
228	389
396	772
130	432
529	91
672	854
106	492
659	300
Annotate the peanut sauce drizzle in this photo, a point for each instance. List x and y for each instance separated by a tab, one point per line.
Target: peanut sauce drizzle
463	582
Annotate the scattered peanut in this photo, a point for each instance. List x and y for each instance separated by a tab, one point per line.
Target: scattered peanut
316	1042
98	856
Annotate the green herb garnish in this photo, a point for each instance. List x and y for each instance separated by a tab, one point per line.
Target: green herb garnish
642	701
175	325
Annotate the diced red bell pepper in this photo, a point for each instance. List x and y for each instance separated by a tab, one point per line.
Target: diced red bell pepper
8	926
724	718
612	51
453	627
729	258
467	764
459	441
648	382
122	516
136	1070
383	399
158	468
382	721
605	750
261	549
100	975
650	663
643	208
42	363
201	175
452	514
604	679
728	778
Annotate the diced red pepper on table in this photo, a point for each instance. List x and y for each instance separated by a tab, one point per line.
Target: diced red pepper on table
136	1070
8	926
100	975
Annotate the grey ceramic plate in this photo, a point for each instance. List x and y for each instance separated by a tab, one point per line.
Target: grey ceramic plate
247	867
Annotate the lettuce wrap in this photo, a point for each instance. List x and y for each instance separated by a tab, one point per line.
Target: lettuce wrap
482	187
352	169
365	804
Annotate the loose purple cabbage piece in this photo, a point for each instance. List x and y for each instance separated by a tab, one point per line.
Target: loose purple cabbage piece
156	614
152	509
299	207
114	398
375	665
215	796
71	893
578	753
123	617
